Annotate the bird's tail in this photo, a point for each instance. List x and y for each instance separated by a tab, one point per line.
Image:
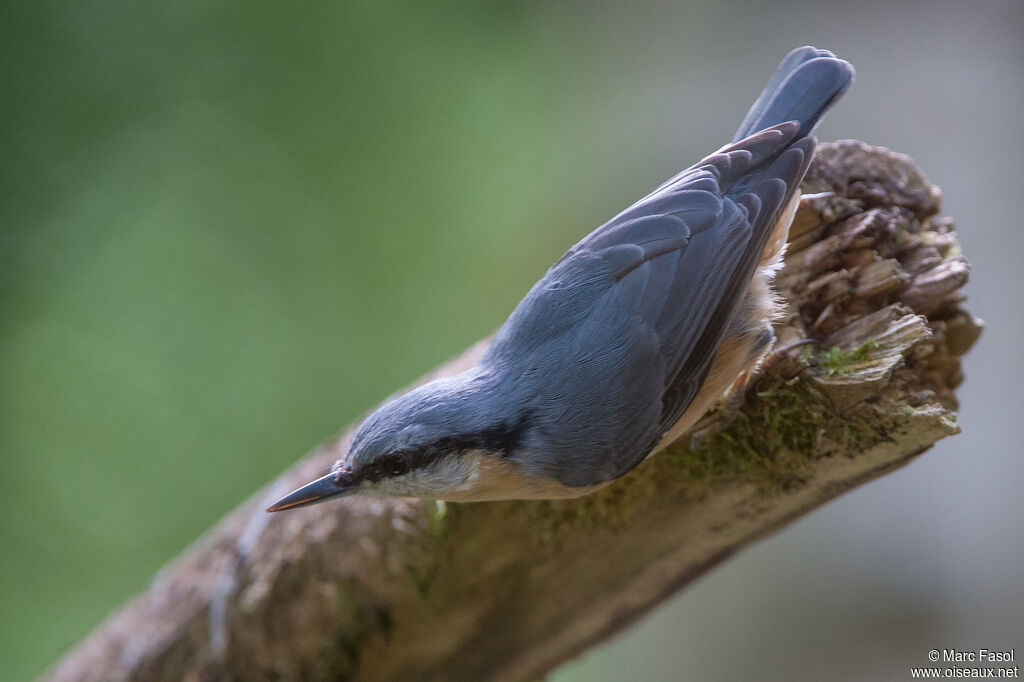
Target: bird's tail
802	89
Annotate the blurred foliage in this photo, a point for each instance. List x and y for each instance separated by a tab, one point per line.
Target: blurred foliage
225	231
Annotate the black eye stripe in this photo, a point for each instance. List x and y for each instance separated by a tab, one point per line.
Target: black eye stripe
395	464
503	438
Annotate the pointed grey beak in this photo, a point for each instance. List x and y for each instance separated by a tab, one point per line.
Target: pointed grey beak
323	488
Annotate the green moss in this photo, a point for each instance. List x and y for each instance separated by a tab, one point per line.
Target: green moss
420	578
855	431
436	519
951	250
607	508
338	656
437	523
771	440
836	361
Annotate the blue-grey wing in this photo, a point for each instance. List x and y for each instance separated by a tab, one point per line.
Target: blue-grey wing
688	296
613	343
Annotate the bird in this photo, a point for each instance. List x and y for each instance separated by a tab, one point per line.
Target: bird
626	341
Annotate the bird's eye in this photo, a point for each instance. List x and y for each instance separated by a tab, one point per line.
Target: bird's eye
396	466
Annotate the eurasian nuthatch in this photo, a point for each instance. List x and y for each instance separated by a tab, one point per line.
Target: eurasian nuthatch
625	342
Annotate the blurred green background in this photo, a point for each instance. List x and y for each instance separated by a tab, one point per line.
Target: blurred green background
226	229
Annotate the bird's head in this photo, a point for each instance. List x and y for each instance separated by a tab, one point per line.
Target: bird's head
445	440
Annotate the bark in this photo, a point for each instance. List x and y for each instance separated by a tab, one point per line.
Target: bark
404	590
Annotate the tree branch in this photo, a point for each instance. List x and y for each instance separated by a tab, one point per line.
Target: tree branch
375	590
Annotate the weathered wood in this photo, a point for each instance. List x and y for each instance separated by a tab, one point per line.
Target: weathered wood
376	590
